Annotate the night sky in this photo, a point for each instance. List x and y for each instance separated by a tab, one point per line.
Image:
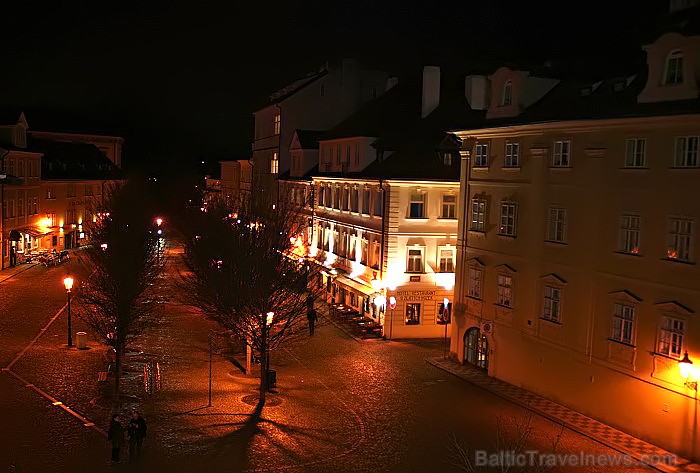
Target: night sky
180	79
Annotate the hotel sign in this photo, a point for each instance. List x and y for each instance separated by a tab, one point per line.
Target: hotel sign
416	295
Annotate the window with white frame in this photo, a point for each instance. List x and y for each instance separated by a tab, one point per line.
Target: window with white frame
413	313
635	153
674	68
365	201
561	158
552	304
630	233
680	235
354	198
414	260
476	277
478	215
447	158
336	197
449	206
512	159
481	155
346	198
507	96
671	334
509	217
417	205
556	225
277	124
378	204
623	324
686	152
446	259
363	249
374	261
274	163
505	290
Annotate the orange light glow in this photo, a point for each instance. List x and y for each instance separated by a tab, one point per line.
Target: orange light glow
68	283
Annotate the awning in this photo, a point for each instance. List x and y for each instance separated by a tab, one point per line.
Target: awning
33	230
366	290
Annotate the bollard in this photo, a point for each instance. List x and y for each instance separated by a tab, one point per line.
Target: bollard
82	340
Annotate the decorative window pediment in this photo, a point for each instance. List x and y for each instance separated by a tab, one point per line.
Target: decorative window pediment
506	268
626	296
674	307
476	262
552	278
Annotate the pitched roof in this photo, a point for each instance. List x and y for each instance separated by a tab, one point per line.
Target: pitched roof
308	139
415	163
67	160
292	88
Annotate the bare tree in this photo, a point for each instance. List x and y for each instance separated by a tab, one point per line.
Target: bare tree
118	270
247	274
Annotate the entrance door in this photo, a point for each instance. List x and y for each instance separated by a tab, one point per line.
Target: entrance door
476	348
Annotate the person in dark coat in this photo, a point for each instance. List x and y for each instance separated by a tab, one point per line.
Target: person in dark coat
137	434
116	438
312	317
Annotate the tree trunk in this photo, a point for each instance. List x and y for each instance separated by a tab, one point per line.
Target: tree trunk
117	369
263	370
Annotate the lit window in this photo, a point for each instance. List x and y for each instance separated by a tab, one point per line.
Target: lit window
414	263
509	215
674	68
478	215
507	97
449	206
277	124
274	164
412	314
630	231
512	159
556	228
475	282
417	206
552	304
447	158
505	290
686	152
481	155
680	235
623	324
446	260
635	155
561	158
671	336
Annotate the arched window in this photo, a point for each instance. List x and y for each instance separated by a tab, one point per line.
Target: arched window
507	97
674	68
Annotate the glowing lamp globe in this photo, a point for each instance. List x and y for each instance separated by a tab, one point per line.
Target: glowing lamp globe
686	366
270	316
68	283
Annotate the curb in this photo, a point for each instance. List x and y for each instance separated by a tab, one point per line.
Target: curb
683	464
17	272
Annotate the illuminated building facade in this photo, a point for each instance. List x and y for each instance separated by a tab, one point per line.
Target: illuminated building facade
577	264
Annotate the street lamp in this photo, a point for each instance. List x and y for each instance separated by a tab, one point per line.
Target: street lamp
686	367
445	320
159	221
392	306
68	283
266	330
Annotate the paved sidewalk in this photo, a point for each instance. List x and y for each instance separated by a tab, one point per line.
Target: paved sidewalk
8	273
569	418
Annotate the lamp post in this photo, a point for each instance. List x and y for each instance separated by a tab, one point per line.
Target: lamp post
686	367
392	306
445	320
68	283
269	317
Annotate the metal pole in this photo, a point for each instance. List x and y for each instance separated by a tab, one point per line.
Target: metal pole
445	343
70	328
211	356
391	325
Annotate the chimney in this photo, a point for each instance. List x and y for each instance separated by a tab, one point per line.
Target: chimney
391	82
476	88
431	90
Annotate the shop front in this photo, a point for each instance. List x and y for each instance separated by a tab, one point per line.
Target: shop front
418	312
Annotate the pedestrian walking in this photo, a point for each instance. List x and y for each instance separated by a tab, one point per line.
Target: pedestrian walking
116	438
312	317
137	434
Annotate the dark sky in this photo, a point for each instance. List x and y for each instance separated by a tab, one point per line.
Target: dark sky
180	79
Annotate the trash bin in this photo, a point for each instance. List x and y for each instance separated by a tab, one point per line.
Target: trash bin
82	340
271	379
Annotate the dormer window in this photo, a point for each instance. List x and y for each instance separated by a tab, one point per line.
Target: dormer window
447	158
674	68
507	96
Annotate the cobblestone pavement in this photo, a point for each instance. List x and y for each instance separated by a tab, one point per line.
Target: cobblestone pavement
341	406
